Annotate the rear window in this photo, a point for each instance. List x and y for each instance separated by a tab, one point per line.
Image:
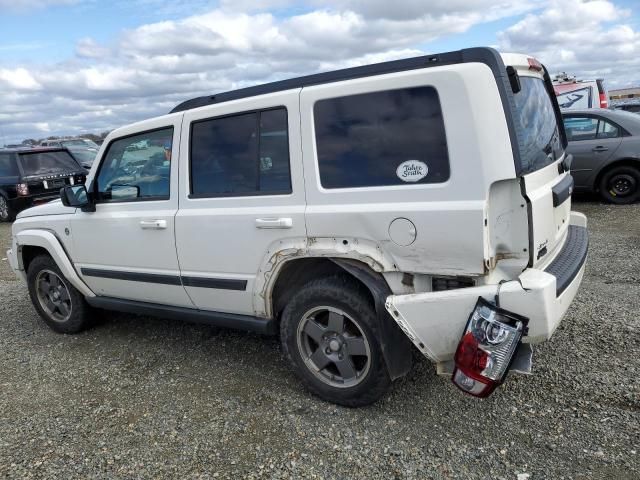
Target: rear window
48	163
537	127
384	138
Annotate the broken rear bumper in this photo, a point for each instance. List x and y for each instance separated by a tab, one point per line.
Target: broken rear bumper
434	321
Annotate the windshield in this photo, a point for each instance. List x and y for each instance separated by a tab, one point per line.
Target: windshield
79	143
48	163
83	155
537	127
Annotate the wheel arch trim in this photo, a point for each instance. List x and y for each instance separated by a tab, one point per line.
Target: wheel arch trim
396	346
48	241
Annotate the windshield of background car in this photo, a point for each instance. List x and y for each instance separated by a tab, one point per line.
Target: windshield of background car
82	154
536	123
79	144
48	163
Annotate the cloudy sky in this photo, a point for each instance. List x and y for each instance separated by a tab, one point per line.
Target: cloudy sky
85	66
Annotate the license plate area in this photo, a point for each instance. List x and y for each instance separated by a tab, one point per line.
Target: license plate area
51	184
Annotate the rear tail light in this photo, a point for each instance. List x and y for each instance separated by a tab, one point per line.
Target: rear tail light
604	102
487	346
23	189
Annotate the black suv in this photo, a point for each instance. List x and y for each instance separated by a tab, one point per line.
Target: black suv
30	176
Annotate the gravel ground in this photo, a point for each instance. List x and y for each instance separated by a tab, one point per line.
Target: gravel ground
139	397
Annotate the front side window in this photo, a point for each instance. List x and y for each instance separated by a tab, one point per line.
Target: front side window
589	128
394	137
580	128
241	155
537	126
7	165
137	167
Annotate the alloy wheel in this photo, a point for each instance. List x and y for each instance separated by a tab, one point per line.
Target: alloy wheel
334	347
53	296
4	208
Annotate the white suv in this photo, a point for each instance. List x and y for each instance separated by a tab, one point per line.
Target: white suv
424	201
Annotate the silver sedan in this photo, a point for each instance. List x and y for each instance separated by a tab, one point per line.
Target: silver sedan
605	145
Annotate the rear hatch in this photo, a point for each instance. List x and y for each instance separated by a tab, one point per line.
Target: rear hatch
47	171
540	162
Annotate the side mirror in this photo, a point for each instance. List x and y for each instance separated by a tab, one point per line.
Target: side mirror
76	196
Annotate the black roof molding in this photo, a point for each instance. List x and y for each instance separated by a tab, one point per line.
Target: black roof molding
489	56
485	55
32	149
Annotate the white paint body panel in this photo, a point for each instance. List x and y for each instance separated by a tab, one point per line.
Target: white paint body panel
435	321
475	128
219	237
112	237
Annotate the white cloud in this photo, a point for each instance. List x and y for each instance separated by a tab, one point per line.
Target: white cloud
146	71
586	38
18	79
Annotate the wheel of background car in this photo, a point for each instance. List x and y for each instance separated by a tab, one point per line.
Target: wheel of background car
621	185
59	304
6	212
329	335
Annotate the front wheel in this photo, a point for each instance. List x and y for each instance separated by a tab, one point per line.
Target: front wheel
59	304
6	212
329	335
621	185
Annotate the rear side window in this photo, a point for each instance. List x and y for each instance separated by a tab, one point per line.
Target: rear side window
384	138
8	165
241	155
537	126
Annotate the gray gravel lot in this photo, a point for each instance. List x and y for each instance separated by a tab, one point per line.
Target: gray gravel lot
138	397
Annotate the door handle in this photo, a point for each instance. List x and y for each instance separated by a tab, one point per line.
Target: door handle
153	224
274	222
599	149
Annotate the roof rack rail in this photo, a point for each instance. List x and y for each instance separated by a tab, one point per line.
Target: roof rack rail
481	54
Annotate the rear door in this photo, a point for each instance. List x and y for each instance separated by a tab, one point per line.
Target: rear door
592	141
242	193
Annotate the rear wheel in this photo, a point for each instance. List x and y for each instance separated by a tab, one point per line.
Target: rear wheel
328	332
59	304
6	212
621	185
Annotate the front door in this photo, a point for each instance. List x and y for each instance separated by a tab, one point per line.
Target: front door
241	196
126	248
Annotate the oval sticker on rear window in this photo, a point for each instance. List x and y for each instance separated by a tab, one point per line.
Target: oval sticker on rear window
412	171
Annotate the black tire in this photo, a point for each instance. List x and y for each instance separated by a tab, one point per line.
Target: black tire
620	185
356	344
7	213
53	307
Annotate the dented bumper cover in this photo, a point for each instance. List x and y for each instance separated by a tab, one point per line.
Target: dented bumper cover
434	321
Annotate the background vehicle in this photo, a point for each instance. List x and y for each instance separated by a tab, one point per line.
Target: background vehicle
30	176
82	149
574	94
423	201
633	107
605	145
